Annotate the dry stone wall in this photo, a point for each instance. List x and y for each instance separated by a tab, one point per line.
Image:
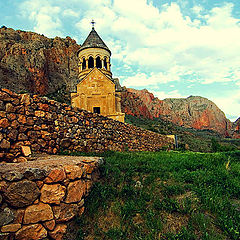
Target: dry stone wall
38	198
48	126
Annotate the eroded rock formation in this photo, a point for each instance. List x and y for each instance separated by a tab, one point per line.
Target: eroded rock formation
30	62
192	112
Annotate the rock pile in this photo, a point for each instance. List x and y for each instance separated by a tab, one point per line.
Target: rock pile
29	121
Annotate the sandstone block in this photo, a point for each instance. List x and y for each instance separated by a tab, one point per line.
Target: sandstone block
40	114
13	176
73	172
35	173
56	175
22	119
65	212
50	225
37	213
2	106
4	123
22	193
20	160
6	216
5	144
25	99
75	191
26	150
58	232
10	107
19	213
31	232
11	116
11	227
52	193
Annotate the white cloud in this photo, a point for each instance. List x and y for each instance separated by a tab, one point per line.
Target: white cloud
230	103
44	15
71	13
163	95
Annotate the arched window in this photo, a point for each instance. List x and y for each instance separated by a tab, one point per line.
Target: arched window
98	62
84	64
105	63
90	62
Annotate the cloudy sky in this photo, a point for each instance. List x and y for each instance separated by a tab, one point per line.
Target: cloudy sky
172	48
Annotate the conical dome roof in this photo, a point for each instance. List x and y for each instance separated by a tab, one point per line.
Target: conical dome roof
94	41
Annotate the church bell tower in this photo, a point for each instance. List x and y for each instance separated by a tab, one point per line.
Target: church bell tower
96	90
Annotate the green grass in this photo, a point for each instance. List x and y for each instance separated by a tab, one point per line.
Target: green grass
165	195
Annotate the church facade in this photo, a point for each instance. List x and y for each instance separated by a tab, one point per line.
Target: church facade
96	91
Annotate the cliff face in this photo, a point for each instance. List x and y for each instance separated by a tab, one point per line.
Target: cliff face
236	129
34	63
192	112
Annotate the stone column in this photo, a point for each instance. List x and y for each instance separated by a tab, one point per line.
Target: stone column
102	61
86	63
108	64
94	62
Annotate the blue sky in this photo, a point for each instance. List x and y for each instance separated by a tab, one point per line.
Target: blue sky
172	48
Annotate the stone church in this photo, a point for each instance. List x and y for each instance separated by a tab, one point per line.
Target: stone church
96	91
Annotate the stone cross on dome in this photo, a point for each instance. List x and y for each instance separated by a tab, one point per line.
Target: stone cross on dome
92	22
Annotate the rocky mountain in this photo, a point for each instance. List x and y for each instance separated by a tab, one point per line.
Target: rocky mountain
236	129
192	112
30	62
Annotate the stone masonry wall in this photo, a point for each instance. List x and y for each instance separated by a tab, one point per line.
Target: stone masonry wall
38	198
48	126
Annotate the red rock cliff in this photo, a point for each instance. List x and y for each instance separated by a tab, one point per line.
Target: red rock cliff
192	112
34	63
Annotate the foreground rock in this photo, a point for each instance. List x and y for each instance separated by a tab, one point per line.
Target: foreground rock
32	209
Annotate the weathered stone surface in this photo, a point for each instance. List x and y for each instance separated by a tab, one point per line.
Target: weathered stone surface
6	216
20	160
5	144
4	123
65	212
35	173
50	225
26	150
10	107
22	193
25	99
196	112
4	236
19	213
75	191
58	232
13	176
56	175
31	232
73	172
52	193
36	213
11	227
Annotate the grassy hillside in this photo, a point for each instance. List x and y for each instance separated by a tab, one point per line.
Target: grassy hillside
190	139
165	195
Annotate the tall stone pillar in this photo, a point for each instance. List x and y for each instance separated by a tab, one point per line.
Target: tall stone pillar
102	61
